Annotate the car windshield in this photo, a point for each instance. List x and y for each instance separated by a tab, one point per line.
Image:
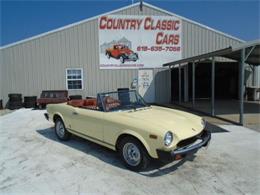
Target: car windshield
122	47
122	100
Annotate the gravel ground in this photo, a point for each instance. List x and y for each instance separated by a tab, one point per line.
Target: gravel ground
5	111
33	161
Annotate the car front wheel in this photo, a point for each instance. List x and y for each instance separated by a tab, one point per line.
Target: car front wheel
136	56
122	59
61	131
133	154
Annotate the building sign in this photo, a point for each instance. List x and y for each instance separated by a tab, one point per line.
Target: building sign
146	86
138	41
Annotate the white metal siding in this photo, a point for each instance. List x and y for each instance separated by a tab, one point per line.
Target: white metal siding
40	64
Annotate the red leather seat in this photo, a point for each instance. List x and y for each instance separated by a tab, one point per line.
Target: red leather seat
88	103
76	103
111	103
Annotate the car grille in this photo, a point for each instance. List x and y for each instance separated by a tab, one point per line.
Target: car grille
191	140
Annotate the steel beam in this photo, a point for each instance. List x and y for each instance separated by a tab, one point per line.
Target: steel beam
241	87
199	57
179	83
193	84
250	51
213	87
186	83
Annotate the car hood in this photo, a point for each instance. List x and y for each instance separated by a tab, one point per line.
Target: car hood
160	120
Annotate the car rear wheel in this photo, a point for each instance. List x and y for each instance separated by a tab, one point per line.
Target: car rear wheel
108	55
61	131
133	154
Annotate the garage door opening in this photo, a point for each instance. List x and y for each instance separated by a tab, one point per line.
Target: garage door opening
218	83
226	85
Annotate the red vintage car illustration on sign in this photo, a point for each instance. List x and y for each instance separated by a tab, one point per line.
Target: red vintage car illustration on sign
121	52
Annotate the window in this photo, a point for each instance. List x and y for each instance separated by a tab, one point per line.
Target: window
74	78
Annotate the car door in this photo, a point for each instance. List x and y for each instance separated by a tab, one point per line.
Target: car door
88	122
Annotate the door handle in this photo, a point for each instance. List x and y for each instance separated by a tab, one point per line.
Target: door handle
75	113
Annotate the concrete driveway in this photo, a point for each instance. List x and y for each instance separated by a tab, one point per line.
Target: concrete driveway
33	161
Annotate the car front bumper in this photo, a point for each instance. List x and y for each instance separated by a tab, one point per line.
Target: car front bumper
131	57
178	153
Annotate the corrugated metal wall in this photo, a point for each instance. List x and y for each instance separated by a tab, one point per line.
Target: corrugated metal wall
198	40
40	63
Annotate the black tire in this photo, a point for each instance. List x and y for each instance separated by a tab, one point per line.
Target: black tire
108	55
66	135
144	157
30	104
30	98
30	101
14	97
1	104
15	105
136	54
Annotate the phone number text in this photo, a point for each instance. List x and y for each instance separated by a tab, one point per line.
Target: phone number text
158	48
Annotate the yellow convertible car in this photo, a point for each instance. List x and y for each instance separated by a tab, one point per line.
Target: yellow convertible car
123	122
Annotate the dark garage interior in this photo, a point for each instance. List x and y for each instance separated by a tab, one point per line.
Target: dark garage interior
226	81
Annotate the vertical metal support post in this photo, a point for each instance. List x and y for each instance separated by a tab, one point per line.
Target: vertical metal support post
170	84
193	84
241	87
213	87
254	76
179	83
186	83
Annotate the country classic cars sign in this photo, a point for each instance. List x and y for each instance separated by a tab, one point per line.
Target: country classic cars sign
129	42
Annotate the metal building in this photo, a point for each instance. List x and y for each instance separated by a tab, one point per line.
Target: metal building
42	62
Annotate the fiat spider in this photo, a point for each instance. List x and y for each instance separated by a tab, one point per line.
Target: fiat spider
124	122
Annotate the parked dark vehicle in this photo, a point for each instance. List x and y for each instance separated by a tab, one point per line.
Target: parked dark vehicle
52	97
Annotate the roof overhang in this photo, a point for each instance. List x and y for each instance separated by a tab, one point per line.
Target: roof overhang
252	50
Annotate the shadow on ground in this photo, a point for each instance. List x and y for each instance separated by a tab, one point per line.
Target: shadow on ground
224	107
156	168
215	129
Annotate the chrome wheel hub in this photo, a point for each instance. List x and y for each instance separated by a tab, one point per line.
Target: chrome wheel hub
60	129
131	154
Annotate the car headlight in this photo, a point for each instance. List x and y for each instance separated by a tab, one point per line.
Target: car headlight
203	123
168	138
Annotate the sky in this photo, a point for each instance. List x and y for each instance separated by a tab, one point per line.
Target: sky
23	19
